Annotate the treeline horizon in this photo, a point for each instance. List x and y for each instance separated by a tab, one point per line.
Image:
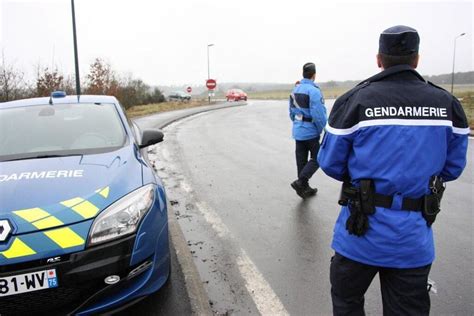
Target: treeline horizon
101	79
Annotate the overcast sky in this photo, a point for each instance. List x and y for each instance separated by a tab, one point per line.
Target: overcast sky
164	42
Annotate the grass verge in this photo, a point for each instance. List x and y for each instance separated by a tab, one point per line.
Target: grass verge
142	110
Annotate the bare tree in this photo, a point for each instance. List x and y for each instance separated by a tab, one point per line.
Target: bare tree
101	78
69	85
12	84
48	81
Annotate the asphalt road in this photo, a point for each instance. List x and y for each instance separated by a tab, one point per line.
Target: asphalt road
258	247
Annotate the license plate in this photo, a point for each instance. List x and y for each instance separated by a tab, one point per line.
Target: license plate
28	282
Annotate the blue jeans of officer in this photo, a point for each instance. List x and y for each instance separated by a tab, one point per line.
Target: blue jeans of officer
404	291
304	148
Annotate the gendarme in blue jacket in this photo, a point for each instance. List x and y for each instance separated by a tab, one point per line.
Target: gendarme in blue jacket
307	110
398	130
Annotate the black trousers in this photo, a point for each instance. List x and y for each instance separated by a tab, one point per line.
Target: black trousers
404	291
304	148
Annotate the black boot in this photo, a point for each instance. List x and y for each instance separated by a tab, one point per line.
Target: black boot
303	189
310	191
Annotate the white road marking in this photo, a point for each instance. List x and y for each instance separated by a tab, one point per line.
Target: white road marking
264	297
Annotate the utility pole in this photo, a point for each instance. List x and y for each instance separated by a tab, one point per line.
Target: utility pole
454	59
209	69
76	57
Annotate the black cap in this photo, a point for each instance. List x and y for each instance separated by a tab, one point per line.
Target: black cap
309	67
399	40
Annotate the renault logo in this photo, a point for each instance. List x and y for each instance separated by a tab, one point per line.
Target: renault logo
5	229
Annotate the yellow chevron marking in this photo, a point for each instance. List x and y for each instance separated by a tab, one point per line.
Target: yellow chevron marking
32	214
47	222
104	192
65	237
86	209
18	249
72	202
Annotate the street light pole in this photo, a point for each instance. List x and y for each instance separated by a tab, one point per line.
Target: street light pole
76	58
454	59
209	69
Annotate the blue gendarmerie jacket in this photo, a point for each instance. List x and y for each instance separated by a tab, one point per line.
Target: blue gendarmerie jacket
307	110
398	130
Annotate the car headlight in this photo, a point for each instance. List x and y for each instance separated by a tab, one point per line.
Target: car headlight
122	217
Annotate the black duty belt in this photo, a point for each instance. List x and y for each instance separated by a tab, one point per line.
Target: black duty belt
408	204
363	200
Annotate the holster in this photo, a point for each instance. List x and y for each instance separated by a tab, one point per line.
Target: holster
432	202
348	192
360	202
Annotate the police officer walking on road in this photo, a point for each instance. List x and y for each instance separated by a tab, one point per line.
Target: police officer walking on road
308	114
393	140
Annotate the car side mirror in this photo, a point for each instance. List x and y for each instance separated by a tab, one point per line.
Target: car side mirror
151	137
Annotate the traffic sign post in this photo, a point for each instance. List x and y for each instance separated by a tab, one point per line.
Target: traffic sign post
211	84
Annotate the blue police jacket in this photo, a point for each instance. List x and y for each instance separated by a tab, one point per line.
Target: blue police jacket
307	110
398	130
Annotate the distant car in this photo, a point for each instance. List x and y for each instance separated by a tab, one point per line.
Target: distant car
179	96
236	95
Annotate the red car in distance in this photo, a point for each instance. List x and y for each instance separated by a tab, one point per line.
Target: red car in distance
236	95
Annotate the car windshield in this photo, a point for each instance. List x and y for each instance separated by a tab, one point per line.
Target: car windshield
59	130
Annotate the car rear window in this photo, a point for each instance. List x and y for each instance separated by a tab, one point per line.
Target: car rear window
60	129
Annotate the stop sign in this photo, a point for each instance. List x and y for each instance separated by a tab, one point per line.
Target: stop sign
211	84
189	89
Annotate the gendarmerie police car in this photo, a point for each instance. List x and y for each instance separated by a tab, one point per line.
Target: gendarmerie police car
83	217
